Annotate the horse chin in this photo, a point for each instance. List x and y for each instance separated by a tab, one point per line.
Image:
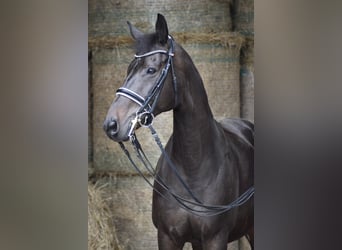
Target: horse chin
120	138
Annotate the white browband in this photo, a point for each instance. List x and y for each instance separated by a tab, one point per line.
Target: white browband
154	52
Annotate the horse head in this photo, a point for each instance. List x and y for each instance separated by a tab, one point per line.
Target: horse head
149	87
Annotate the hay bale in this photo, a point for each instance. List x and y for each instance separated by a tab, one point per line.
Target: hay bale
244	16
247	53
247	79
131	211
219	67
222	38
108	18
109	67
101	234
247	93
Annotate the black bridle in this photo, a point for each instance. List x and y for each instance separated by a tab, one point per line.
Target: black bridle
144	116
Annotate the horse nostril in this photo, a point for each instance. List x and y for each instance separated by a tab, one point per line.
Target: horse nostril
111	127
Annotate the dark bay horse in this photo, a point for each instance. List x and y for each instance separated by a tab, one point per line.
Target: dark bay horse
212	162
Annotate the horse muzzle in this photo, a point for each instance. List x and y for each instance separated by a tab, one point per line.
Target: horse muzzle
112	128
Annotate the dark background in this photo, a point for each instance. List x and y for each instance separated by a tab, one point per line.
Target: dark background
44	136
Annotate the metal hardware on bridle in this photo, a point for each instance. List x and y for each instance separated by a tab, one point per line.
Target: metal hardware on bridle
145	119
144	116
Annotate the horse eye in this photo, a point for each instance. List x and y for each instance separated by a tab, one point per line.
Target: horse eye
151	70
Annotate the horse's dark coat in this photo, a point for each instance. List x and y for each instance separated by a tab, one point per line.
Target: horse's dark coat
215	159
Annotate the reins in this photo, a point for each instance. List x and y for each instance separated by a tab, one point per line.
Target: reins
205	210
144	116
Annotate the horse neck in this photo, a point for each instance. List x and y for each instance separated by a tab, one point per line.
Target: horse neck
194	129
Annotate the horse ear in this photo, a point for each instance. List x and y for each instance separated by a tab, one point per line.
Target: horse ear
161	29
135	32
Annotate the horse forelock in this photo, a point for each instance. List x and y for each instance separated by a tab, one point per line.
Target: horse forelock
145	43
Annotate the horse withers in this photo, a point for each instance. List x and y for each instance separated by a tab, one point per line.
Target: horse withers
202	175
